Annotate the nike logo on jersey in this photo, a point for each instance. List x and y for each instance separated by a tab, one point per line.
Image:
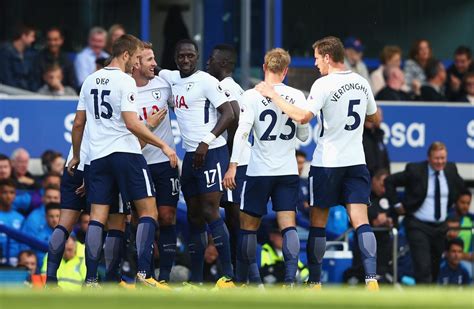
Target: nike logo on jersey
210	185
168	245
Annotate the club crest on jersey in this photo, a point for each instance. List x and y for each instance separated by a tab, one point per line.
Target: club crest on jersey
156	94
131	97
189	86
227	93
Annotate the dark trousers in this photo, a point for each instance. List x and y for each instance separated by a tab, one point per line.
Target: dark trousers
426	241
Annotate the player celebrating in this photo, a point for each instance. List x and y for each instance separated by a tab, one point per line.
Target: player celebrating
107	101
272	170
153	95
198	97
338	174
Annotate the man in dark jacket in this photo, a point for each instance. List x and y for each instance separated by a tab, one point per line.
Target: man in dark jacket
430	188
376	155
394	80
433	90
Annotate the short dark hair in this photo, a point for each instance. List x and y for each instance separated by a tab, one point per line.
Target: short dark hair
230	54
332	46
52	187
21	30
463	50
186	41
51	206
454	242
27	253
8	182
4	157
51	174
51	68
126	43
464	191
300	153
433	67
55	28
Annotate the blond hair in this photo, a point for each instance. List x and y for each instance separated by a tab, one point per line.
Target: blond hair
277	60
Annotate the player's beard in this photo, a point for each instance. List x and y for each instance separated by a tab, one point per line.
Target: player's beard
128	67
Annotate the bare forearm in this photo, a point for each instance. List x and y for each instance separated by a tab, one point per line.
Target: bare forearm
298	114
77	133
224	122
145	136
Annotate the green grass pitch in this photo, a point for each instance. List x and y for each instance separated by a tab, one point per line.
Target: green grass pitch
330	297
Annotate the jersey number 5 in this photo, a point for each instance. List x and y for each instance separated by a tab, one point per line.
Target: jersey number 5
106	105
352	113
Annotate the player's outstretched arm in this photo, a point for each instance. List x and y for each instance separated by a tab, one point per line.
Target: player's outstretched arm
225	120
142	132
298	114
77	133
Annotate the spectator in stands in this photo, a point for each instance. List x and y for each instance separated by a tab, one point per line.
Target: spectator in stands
376	154
5	167
430	188
11	219
212	267
353	59
72	270
420	55
16	60
20	159
82	225
393	90
85	60
52	161
51	179
115	31
53	85
391	55
460	211
455	88
468	82
28	260
52	54
303	196
433	89
453	272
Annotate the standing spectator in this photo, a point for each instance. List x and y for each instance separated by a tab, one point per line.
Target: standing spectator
376	154
303	194
391	55
53	85
433	89
28	260
430	188
354	51
420	55
11	219
85	60
452	272
115	31
456	72
5	167
20	159
16	61
52	54
468	88
393	91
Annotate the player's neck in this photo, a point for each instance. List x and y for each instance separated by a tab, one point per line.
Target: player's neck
117	64
273	79
223	76
336	67
141	81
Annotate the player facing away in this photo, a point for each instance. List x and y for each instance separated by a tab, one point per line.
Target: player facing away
152	98
198	97
272	171
221	65
107	106
342	100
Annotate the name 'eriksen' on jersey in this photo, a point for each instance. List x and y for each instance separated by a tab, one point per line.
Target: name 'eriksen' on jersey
350	86
287	98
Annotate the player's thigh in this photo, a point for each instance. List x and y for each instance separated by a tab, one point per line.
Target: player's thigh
325	186
146	207
358	214
99	212
356	185
284	194
210	205
249	222
256	192
166	181
286	219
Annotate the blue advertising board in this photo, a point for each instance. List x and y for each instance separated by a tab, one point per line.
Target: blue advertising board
409	128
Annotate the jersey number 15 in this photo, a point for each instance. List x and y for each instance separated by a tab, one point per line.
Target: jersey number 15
103	103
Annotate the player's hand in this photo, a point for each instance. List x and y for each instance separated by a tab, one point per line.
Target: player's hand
265	89
200	155
72	165
171	154
455	83
229	178
81	191
155	119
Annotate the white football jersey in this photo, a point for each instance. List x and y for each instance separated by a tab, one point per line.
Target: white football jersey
233	91
84	152
196	99
275	142
104	95
152	98
341	100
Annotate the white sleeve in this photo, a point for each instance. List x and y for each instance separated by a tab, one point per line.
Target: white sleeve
316	98
81	105
129	95
371	105
246	120
214	92
166	75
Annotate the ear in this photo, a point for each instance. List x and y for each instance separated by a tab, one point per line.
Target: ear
285	71
327	58
264	67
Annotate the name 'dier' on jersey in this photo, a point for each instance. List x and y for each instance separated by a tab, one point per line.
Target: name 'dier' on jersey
196	99
150	99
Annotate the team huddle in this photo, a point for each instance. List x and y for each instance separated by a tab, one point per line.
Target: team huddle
123	162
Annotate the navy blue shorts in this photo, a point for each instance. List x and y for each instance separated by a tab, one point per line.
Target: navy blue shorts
120	173
233	196
209	177
283	190
166	181
69	198
332	186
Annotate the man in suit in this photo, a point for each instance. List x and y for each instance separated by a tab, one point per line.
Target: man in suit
430	188
433	90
